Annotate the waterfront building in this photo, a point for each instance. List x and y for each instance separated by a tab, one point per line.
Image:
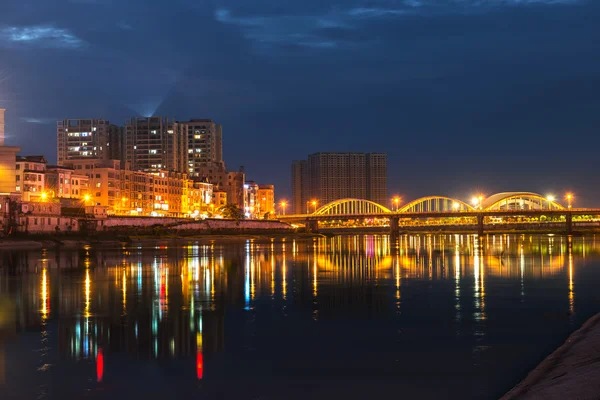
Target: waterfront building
325	177
219	199
199	197
250	199
266	200
63	182
81	139
30	177
8	154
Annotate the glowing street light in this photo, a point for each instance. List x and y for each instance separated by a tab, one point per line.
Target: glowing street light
474	201
283	204
455	206
550	199
397	202
314	204
44	196
569	199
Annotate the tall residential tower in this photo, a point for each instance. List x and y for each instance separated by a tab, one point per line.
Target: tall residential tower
88	139
326	177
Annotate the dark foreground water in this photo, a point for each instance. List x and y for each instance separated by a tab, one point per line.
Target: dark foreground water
345	317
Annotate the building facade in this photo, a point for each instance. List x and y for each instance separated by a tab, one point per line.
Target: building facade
65	183
142	193
8	156
299	181
325	177
30	177
82	139
266	199
204	146
155	143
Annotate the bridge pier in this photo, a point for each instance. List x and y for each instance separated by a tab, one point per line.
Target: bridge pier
312	226
394	229
480	224
569	222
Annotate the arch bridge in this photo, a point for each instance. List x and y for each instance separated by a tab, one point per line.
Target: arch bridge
351	207
435	204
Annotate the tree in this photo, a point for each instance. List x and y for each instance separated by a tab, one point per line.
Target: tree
231	211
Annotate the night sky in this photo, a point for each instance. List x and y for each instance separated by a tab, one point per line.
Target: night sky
465	96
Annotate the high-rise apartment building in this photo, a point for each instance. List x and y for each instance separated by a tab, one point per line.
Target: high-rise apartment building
204	146
155	143
88	139
326	177
299	181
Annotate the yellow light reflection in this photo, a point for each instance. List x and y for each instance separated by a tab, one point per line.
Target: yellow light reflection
45	302
124	292
87	285
571	293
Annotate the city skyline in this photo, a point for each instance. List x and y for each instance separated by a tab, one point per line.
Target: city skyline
445	89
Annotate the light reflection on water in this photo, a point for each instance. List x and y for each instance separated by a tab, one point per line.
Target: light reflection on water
287	317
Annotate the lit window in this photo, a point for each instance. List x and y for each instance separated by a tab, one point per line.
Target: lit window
154	132
198	150
152	151
94	129
190	150
135	147
18	188
197	136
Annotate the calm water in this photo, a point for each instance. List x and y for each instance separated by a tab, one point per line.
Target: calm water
437	317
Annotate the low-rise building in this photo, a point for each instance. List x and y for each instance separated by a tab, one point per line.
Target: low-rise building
30	177
266	200
65	183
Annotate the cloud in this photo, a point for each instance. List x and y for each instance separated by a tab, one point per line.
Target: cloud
269	25
32	120
42	36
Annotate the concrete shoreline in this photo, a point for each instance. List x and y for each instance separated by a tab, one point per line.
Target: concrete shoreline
571	372
77	242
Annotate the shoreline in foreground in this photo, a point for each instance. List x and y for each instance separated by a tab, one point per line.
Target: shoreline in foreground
571	371
74	242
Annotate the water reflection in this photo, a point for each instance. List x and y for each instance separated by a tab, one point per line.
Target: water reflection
171	302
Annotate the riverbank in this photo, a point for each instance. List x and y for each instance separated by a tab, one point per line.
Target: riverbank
571	372
37	242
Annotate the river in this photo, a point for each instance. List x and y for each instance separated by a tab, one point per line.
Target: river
437	316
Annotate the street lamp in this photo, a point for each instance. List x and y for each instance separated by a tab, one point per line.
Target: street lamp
283	204
550	199
314	203
569	199
396	202
44	196
455	206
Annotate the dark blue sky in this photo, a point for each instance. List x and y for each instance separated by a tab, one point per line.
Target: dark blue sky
463	95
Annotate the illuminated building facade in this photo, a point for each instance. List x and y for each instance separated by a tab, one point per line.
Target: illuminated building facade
205	146
250	199
30	177
155	143
83	139
266	199
143	193
64	183
7	161
326	177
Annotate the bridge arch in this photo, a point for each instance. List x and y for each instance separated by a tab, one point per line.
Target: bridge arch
519	201
351	206
435	204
